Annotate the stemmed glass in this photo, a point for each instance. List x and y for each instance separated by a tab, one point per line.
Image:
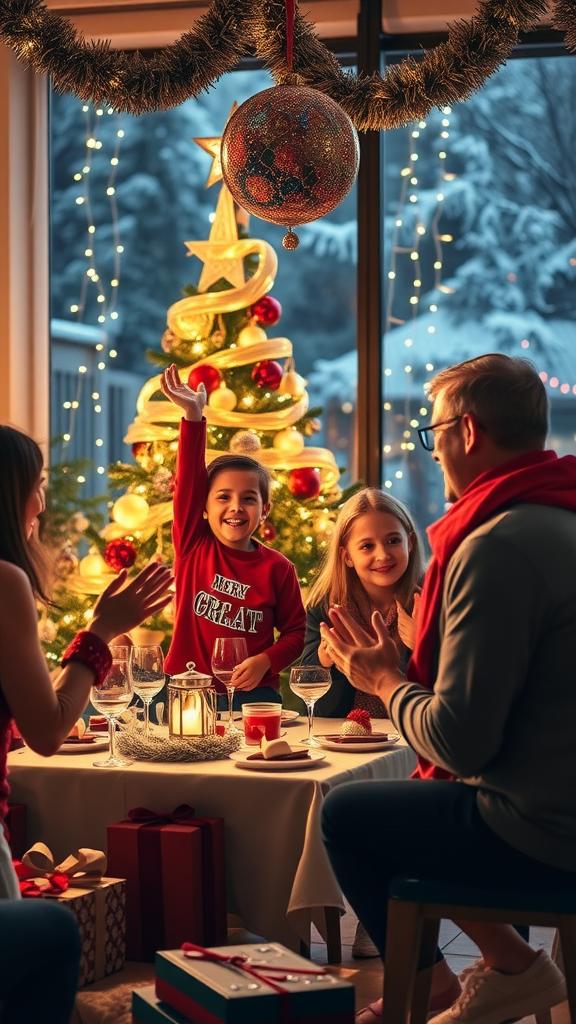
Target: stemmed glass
310	682
112	698
147	676
228	652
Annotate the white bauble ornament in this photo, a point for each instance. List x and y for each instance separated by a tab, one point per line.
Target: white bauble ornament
222	398
244	442
334	494
93	565
288	442
169	612
292	384
251	335
80	522
130	511
47	631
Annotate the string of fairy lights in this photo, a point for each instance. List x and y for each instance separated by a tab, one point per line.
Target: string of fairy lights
409	196
107	292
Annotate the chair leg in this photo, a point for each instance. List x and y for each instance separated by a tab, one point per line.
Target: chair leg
333	936
567	935
402	949
424	971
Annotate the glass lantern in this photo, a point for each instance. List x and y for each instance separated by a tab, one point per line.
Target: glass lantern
191	705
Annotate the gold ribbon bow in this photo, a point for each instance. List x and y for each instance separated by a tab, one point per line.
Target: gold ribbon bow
85	867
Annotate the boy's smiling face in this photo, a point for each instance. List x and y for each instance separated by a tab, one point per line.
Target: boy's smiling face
234	507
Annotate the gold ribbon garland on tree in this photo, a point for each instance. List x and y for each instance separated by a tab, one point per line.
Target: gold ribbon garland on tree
233	29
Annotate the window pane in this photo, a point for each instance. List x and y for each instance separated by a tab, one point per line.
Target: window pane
480	255
140	183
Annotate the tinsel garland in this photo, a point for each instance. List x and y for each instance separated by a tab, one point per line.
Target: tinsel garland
233	29
131	742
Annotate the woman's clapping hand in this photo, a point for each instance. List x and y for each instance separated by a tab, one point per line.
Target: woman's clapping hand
121	608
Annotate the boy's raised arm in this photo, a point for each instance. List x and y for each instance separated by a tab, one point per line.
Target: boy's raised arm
191	479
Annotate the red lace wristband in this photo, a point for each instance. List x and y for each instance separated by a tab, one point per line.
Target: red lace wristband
91	651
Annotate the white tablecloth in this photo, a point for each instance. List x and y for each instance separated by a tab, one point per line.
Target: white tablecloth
278	875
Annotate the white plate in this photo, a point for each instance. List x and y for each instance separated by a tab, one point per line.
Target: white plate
283	766
85	748
358	748
289	716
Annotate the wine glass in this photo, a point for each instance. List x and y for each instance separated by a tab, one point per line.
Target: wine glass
112	697
228	652
147	676
310	682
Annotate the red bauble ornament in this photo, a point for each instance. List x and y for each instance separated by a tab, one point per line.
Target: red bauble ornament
267	311
305	483
267	374
140	449
268	531
120	554
207	375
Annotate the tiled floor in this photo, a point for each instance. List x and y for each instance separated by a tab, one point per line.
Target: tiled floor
458	949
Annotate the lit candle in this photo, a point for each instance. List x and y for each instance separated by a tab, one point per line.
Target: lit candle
192	720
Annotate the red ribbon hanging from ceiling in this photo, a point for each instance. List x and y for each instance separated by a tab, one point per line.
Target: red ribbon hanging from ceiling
290	10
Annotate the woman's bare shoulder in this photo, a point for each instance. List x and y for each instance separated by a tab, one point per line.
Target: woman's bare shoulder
14	582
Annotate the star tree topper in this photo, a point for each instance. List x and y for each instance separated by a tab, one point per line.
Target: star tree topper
218	255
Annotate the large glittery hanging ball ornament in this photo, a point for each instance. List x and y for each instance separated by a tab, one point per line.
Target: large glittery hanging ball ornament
267	311
268	531
120	554
305	483
267	374
223	398
289	155
251	335
207	375
244	442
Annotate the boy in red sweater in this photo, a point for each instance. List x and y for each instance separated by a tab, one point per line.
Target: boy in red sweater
227	584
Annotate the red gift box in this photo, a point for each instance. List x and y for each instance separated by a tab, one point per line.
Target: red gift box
15	829
175	878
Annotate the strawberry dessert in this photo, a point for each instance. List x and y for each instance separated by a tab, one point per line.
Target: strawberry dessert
357	723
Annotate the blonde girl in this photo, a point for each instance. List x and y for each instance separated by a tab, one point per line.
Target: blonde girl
374	563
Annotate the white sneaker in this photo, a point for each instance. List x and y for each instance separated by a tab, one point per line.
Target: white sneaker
490	997
363	948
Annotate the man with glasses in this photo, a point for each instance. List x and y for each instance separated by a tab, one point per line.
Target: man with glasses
490	695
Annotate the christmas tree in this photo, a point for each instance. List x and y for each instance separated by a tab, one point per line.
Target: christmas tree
257	406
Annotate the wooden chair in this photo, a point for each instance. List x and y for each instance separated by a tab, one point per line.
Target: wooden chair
415	909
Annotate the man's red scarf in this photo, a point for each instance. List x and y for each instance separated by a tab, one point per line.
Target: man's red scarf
538	478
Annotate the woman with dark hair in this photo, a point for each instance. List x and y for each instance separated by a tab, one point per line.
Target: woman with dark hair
44	713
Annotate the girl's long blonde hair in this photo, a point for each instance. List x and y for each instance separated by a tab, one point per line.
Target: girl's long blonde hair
338	583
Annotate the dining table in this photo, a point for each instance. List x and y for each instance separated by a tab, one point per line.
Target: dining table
278	877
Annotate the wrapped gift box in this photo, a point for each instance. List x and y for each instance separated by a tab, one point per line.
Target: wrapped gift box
175	879
16	830
206	992
100	914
